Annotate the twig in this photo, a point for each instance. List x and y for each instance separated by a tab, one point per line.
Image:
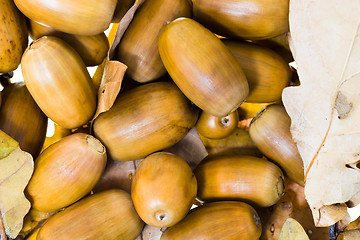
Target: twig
2	230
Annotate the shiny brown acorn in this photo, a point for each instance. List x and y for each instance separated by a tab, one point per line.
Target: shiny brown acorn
202	67
145	119
266	71
13	36
138	48
217	127
163	189
59	82
81	17
108	215
22	119
239	177
66	171
217	220
270	130
251	19
121	8
92	49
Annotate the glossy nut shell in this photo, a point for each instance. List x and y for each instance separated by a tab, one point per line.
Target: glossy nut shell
219	220
266	71
59	82
248	19
217	127
92	49
202	67
138	48
109	215
270	130
163	189
239	177
81	17
66	171
145	119
13	36
22	119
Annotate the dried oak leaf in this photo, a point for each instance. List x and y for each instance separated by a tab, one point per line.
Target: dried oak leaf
16	168
113	71
291	205
325	108
292	230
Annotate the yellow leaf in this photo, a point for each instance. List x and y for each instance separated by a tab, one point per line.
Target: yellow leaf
292	230
15	172
7	144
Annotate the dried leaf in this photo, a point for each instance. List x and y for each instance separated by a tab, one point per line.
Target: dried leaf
114	71
15	172
291	205
350	235
190	148
324	111
113	75
292	230
151	233
117	174
7	145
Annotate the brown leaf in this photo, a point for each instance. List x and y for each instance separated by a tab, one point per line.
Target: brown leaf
117	174
15	172
151	233
113	75
190	148
324	109
291	205
114	71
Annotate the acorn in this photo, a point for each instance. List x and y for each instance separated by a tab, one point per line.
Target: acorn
92	49
202	67
239	177
217	127
163	189
81	17
66	171
22	119
270	130
217	220
144	120
108	215
59	82
266	71
13	36
138	48
121	8
251	19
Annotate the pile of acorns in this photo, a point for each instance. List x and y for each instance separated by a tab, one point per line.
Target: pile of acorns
172	44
